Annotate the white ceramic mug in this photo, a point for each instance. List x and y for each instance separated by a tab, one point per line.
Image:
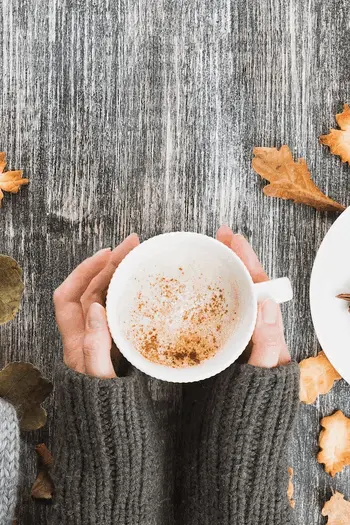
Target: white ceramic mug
195	252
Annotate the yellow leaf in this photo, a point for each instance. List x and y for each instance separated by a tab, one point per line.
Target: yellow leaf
338	140
334	442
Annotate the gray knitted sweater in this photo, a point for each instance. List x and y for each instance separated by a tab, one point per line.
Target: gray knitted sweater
221	459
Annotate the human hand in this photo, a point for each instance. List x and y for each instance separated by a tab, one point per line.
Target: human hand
80	313
269	348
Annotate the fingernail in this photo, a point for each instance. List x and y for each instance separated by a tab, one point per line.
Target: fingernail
270	312
104	250
95	318
240	235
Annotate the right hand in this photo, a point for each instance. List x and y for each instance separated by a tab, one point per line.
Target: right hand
80	313
269	347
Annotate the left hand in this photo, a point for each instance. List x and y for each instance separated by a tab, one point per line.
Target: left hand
80	313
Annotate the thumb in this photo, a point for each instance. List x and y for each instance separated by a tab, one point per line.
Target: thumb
269	346
97	344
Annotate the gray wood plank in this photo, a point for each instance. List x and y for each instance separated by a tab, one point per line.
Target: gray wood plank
141	116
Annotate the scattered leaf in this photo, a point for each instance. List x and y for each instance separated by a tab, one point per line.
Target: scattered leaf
43	487
290	180
338	140
23	385
290	491
337	509
10	181
317	376
334	443
44	455
11	288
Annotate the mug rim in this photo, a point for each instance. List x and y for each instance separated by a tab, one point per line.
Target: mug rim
179	374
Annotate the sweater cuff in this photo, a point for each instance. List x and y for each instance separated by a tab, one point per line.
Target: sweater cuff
107	456
243	447
9	461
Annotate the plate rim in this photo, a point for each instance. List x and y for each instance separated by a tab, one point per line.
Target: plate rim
345	216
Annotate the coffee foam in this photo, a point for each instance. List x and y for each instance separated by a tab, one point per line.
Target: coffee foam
183	313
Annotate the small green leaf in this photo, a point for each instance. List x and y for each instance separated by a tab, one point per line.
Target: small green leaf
11	288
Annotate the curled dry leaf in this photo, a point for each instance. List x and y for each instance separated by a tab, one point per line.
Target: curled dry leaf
290	491
338	140
43	487
337	509
290	180
10	181
317	376
11	288
334	443
23	385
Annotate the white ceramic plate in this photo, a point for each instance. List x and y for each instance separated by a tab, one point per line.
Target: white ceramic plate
331	276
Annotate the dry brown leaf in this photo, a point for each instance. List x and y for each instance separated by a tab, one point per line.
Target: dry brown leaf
10	181
317	376
11	288
338	140
44	455
290	180
290	491
334	443
43	487
23	385
337	509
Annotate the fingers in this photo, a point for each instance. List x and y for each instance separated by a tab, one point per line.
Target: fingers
269	346
68	310
245	252
97	344
97	289
76	283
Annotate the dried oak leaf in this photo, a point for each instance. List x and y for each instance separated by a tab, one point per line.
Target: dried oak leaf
11	288
10	181
290	490
334	442
317	376
23	385
43	487
338	140
290	180
337	509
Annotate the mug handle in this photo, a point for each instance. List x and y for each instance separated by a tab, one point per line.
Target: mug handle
279	290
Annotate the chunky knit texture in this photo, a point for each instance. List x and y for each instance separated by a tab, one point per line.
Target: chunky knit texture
117	462
231	452
9	461
236	429
110	454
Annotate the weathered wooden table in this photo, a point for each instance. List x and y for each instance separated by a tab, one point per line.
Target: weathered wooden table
141	115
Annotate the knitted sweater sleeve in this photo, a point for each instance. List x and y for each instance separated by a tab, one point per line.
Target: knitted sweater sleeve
238	427
9	461
108	453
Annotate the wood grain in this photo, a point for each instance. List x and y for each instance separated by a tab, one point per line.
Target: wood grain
141	115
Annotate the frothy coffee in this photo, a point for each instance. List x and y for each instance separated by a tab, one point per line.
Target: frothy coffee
182	318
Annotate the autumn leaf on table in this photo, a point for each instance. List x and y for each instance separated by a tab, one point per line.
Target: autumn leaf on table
317	376
290	491
334	442
338	140
23	385
11	288
43	487
10	181
290	180
337	509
